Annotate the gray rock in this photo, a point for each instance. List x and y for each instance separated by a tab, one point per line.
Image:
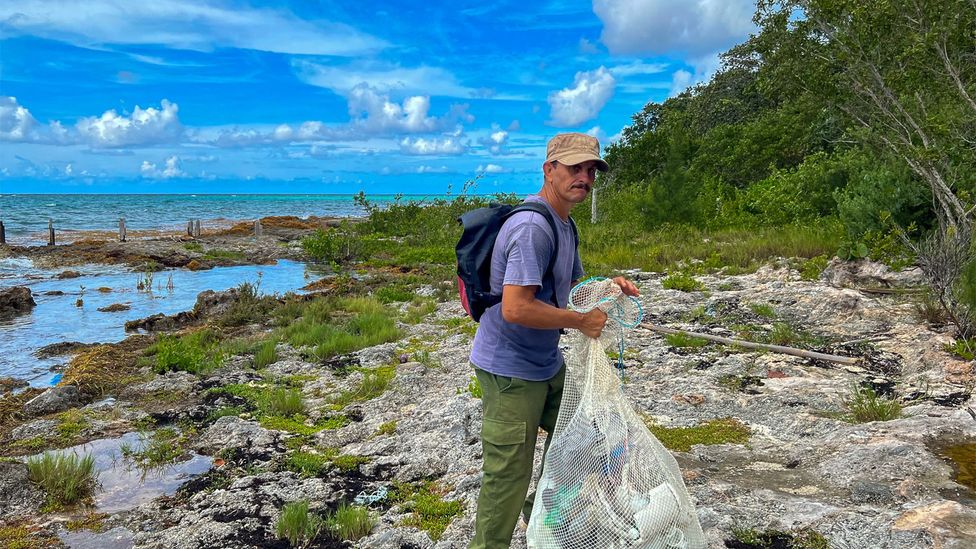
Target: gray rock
36	428
15	301
18	496
234	433
55	399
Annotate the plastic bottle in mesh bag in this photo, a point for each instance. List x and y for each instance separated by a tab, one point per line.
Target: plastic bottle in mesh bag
607	482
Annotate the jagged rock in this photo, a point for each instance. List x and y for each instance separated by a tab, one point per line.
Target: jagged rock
161	323
15	301
232	432
32	429
115	307
68	274
176	382
55	399
866	273
62	348
18	495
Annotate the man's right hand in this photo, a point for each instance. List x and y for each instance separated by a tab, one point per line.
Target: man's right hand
592	323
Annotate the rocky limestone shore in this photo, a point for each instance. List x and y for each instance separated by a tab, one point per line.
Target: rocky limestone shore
804	466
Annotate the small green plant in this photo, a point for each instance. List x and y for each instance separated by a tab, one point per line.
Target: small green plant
763	309
351	522
266	354
71	423
298	525
463	324
145	281
715	431
224	411
250	306
156	450
284	403
474	387
66	478
427	359
811	268
963	348
750	538
419	308
864	405
428	510
373	384
683	282
387	428
197	353
193	247
307	464
393	294
684	340
930	311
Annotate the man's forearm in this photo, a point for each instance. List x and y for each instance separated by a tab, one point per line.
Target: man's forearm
535	313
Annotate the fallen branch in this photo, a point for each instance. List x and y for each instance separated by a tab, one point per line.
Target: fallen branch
896	291
761	346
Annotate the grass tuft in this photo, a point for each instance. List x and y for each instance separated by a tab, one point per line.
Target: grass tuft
351	522
864	405
197	353
428	510
298	525
682	340
66	478
683	282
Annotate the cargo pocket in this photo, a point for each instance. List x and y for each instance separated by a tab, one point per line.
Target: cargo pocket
503	442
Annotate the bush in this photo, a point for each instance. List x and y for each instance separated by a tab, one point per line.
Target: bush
66	478
298	525
683	282
266	354
284	403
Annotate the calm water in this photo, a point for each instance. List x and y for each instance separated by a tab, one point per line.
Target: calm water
56	318
26	215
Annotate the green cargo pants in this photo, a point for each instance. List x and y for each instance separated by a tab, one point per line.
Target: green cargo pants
514	409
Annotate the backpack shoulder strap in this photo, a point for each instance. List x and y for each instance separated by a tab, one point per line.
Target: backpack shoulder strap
544	211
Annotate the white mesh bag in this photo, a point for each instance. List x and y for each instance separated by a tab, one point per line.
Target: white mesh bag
607	482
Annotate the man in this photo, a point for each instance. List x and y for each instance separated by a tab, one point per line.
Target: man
516	354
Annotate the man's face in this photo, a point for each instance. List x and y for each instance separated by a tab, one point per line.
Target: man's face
571	183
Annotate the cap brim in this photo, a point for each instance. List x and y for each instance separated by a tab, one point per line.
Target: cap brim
579	158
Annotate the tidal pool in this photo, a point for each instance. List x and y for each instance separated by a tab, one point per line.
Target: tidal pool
56	318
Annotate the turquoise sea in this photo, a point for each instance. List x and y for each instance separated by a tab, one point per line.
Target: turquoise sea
25	216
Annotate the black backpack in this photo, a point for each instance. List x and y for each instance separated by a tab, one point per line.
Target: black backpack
474	249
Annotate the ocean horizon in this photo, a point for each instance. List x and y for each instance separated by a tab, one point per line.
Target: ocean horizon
25	216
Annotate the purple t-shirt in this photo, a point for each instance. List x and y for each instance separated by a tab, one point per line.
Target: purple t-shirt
520	257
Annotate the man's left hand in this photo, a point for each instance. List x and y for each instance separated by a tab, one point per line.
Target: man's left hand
628	287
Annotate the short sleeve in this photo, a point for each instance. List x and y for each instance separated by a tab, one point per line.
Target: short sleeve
527	253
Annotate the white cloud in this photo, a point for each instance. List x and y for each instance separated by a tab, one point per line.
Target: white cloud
668	26
183	24
490	168
433	146
589	93
704	68
587	47
496	141
16	122
172	168
142	127
432	169
596	132
384	79
638	67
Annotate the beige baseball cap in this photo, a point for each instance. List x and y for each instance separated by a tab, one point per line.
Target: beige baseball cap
575	148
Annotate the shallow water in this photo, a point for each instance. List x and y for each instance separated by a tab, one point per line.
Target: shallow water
116	538
124	486
57	319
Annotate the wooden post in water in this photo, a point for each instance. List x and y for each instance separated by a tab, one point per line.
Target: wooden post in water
257	228
121	229
196	228
50	232
3	233
189	228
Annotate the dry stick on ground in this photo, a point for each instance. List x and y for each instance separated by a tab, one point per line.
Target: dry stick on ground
750	345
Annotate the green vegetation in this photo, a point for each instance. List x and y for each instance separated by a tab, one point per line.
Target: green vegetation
26	536
963	348
351	522
331	326
193	247
310	464
428	510
298	525
284	402
474	387
266	354
386	428
155	450
811	269
749	538
71	423
280	408
250	306
864	405
66	478
683	282
230	255
374	383
682	340
715	431
393	294
198	352
763	309
461	324
418	309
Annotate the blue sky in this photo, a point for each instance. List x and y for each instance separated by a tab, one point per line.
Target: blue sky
331	97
